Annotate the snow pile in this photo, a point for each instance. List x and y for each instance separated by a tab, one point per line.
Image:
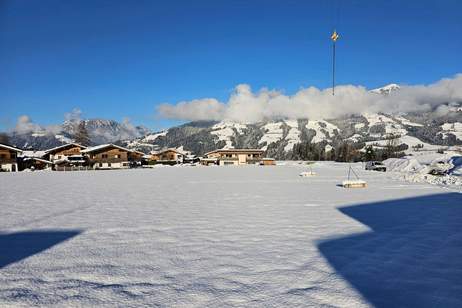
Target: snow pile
403	165
417	168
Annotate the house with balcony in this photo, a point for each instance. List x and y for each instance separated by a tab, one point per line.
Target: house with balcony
9	158
167	157
108	156
66	155
226	157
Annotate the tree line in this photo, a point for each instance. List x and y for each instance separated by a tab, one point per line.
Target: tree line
344	151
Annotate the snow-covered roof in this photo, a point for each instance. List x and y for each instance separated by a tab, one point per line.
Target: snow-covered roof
167	150
28	153
235	151
63	146
38	159
103	146
9	147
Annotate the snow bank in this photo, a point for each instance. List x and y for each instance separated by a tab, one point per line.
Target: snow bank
417	168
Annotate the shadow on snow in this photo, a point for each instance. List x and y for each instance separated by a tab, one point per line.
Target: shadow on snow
411	258
17	246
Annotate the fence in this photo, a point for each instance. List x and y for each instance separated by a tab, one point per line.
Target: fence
73	168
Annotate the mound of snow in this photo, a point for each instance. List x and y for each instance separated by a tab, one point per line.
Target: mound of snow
416	169
403	165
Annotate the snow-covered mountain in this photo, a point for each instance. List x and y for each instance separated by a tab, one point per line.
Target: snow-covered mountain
386	89
431	130
100	131
279	137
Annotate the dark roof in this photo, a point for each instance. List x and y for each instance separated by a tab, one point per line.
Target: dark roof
9	147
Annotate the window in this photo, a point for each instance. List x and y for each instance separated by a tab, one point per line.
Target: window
109	165
117	156
104	155
100	164
13	155
2	156
59	156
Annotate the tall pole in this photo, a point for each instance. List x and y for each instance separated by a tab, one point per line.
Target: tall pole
333	68
334	37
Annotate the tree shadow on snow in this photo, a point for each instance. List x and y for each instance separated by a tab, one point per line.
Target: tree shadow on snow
411	258
17	246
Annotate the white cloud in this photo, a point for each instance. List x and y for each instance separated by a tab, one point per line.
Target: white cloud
26	125
200	109
74	116
246	106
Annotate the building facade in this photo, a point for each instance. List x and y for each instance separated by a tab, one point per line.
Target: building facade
64	152
9	158
167	157
108	156
226	157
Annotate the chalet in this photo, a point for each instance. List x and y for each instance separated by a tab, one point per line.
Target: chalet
234	157
136	157
108	156
9	158
167	157
66	152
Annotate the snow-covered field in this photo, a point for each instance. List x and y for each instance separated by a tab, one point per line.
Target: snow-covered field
227	237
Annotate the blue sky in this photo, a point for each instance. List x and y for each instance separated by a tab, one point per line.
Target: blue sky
116	59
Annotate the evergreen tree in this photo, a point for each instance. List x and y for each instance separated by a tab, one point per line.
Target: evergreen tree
370	153
81	136
4	138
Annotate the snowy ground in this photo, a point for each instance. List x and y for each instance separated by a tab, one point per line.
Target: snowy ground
227	237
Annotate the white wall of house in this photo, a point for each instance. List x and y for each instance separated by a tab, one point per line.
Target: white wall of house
121	165
242	159
9	167
229	163
54	157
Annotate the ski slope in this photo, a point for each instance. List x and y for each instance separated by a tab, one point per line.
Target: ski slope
227	237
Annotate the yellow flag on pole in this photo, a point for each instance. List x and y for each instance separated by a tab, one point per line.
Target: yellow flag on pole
334	36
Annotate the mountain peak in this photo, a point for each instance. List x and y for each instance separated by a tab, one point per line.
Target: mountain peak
389	88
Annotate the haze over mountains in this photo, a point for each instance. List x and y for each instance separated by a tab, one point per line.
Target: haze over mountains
438	126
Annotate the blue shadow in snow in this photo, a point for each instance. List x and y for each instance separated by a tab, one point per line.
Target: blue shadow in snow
412	257
17	246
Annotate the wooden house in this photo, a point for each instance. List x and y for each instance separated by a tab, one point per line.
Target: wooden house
108	156
136	157
234	156
64	152
9	158
167	157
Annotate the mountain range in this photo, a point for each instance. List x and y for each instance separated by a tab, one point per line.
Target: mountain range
429	130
